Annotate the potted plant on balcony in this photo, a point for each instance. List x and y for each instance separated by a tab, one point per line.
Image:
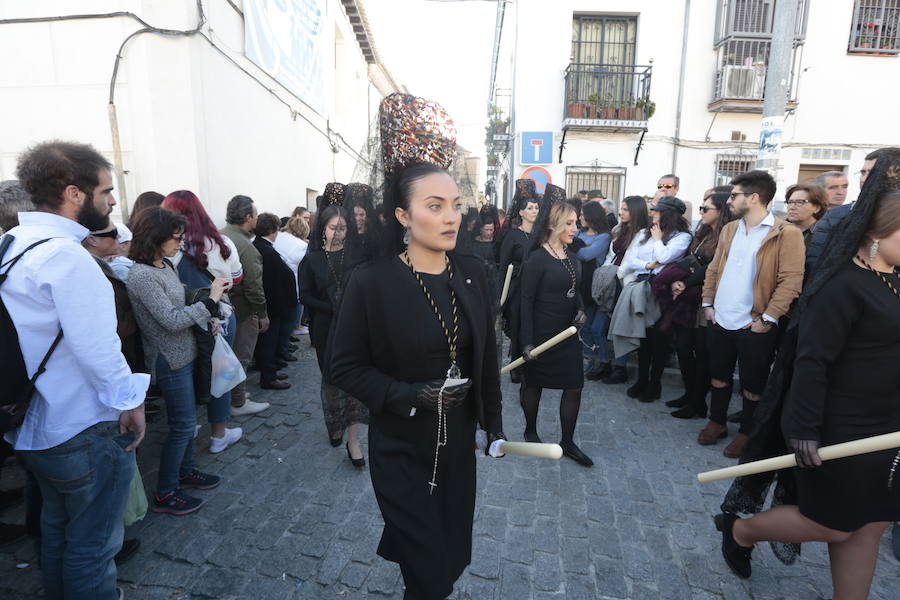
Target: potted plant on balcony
608	108
493	161
644	109
577	109
625	111
593	106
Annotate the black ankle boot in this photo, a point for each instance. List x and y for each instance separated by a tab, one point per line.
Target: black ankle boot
598	371
637	389
619	374
679	402
652	392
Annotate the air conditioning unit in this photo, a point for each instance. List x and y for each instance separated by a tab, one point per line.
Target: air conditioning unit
743	83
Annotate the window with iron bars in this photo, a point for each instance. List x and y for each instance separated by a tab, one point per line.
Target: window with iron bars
875	27
729	166
603	40
609	180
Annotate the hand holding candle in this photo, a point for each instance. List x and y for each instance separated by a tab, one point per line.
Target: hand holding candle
556	339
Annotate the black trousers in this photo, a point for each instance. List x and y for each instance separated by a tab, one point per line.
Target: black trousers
753	353
267	350
693	361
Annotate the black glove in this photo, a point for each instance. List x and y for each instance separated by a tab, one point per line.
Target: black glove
452	397
580	319
491	438
806	452
526	353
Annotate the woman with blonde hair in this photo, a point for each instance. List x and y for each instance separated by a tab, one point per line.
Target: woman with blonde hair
551	302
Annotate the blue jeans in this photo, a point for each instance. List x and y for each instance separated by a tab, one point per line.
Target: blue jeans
85	483
177	456
594	333
289	322
218	410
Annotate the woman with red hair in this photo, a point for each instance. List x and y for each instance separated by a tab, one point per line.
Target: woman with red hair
206	255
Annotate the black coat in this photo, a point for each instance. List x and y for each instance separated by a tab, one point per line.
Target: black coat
376	340
279	283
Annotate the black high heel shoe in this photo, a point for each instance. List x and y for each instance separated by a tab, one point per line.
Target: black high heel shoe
357	462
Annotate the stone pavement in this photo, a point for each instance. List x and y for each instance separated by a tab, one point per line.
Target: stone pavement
294	520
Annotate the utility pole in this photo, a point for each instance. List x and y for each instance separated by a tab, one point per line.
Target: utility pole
778	72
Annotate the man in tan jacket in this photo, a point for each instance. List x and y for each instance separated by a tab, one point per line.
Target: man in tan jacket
754	277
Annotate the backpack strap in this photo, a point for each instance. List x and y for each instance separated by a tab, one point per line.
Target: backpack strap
4	246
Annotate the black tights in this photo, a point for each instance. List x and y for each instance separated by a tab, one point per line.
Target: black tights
569	405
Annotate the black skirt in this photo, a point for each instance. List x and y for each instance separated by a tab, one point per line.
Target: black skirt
428	534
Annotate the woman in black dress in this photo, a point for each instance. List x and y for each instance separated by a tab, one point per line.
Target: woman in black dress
551	278
515	241
324	273
845	386
415	342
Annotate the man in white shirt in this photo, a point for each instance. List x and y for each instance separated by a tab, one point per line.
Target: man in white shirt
87	415
754	277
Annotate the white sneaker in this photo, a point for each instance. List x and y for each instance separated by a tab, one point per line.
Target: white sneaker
301	331
249	408
232	435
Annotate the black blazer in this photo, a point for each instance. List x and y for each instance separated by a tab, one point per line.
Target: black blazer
376	340
279	283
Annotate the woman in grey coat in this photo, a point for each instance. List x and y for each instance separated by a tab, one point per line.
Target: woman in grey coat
158	298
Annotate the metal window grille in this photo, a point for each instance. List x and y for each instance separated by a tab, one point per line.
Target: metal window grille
609	180
729	166
604	40
753	19
875	27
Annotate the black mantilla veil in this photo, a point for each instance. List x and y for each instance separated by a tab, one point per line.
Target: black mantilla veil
325	214
553	195
525	192
748	494
364	245
469	227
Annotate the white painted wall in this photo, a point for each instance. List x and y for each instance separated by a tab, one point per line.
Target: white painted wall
843	99
188	118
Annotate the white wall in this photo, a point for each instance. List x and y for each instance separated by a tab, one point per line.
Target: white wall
840	95
188	118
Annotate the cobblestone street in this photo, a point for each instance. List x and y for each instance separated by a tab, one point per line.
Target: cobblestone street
294	520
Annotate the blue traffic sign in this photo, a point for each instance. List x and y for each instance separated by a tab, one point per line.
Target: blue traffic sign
537	148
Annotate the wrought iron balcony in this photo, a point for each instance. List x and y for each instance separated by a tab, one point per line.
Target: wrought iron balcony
607	97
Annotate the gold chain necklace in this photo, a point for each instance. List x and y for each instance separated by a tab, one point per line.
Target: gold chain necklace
568	266
452	373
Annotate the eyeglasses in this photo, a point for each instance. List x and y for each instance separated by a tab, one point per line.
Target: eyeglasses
112	233
665	186
705	209
797	202
734	195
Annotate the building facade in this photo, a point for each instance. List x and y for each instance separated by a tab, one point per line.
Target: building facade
219	103
625	91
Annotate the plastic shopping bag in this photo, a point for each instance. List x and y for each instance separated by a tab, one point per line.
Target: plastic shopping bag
227	371
136	505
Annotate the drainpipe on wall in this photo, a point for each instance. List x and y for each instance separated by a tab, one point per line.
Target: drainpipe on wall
117	160
684	41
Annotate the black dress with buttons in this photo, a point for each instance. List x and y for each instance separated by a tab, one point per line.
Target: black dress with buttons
547	309
388	340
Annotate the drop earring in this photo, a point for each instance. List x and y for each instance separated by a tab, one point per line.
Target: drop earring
873	250
406	236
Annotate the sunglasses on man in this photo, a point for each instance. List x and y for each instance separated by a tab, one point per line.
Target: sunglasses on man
665	186
112	233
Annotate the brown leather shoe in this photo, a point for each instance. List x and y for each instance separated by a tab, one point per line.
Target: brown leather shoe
736	448
712	433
